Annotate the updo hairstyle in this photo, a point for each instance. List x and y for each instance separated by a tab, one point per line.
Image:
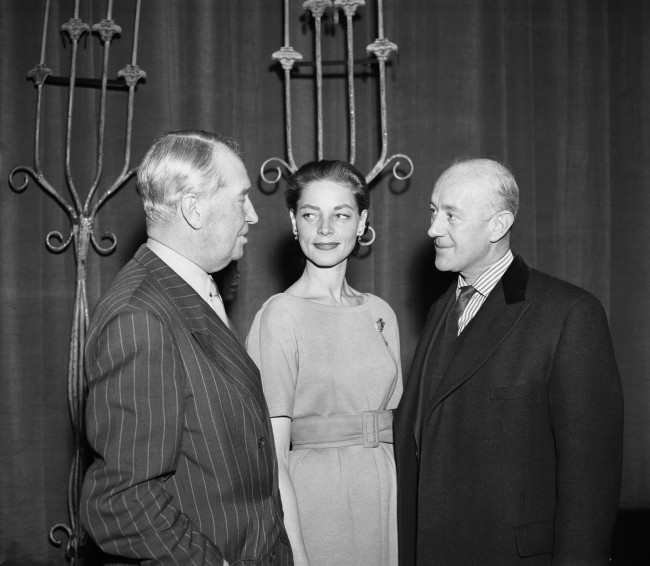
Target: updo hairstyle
340	172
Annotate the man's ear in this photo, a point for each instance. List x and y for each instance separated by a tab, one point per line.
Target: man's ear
191	210
501	224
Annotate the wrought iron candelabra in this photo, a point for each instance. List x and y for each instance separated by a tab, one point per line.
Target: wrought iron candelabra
287	56
82	216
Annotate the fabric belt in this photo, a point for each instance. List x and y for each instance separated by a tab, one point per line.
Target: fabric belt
369	429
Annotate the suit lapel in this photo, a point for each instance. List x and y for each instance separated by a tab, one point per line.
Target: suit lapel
414	395
493	323
437	322
477	343
219	343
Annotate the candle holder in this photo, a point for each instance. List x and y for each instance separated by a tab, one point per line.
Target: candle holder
287	56
82	218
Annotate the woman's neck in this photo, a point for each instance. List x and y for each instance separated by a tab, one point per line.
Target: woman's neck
326	285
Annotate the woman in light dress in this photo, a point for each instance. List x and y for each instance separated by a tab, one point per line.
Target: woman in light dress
329	360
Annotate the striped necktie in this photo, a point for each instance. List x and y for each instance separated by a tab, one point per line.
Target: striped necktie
457	310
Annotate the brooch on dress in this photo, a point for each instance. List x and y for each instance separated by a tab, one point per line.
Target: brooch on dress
379	325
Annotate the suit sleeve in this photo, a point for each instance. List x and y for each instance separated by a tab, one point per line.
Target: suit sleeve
587	419
134	421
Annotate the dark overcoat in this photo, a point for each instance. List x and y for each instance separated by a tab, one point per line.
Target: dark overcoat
515	458
185	469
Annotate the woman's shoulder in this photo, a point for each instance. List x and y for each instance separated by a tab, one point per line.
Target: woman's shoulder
379	303
282	300
276	317
280	305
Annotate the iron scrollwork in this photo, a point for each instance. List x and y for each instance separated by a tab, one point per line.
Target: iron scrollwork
381	49
82	216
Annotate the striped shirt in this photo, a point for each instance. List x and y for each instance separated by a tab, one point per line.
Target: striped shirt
483	285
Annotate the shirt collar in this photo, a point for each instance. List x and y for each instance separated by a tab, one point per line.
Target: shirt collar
191	273
489	278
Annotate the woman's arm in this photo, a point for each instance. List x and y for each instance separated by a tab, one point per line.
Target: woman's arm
282	434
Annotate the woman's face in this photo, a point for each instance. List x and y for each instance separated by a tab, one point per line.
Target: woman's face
327	222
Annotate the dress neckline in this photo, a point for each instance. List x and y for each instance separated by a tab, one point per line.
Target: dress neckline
334	308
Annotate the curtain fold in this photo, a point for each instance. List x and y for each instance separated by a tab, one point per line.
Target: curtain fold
629	270
558	90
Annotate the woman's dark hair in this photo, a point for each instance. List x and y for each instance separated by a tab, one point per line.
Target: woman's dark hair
340	172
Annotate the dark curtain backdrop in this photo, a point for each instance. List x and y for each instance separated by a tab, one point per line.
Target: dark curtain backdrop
559	90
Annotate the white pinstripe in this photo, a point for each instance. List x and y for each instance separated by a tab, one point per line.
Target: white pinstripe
169	388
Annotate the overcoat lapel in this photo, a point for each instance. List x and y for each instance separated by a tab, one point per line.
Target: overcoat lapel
494	322
438	319
414	392
219	343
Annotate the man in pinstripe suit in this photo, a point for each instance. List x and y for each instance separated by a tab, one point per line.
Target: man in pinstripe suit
185	470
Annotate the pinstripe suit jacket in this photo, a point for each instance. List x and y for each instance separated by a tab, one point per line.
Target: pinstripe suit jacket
185	469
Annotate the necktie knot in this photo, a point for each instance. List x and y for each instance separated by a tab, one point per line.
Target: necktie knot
214	292
466	293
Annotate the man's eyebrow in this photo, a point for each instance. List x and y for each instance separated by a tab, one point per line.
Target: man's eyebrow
446	207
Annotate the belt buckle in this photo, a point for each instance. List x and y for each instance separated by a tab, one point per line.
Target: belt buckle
370	429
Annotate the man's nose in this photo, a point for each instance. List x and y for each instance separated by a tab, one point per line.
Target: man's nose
437	227
251	215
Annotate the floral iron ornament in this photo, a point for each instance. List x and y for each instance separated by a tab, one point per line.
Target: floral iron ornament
82	219
287	56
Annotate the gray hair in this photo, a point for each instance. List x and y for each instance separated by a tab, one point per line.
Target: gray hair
178	163
504	193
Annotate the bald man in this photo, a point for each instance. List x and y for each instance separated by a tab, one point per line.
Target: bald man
508	437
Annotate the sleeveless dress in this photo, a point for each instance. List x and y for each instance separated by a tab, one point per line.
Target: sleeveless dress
318	361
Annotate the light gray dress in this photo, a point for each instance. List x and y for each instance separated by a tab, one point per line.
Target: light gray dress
320	360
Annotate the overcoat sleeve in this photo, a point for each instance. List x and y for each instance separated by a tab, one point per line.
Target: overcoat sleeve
134	425
586	405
